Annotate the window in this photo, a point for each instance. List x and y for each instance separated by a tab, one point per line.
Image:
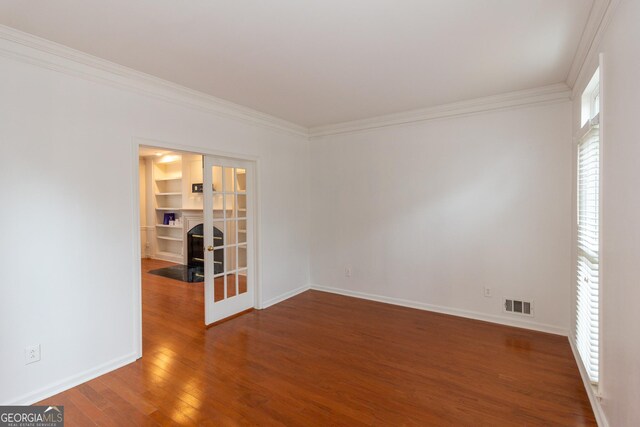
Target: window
588	235
595	102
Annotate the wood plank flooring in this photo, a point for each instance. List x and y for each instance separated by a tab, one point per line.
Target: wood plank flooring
323	359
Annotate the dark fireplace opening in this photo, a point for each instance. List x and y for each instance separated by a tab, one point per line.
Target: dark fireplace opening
194	270
195	248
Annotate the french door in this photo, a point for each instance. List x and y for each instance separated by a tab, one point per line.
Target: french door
228	237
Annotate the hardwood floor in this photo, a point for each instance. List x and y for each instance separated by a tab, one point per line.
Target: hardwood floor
323	359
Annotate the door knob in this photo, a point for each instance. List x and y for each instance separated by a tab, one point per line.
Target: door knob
210	248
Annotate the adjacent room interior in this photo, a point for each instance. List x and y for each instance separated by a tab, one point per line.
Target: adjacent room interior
167	181
321	213
182	241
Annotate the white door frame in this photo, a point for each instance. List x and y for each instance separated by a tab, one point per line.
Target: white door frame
135	232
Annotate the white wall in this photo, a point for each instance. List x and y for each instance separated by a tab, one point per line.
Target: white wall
431	213
620	225
66	233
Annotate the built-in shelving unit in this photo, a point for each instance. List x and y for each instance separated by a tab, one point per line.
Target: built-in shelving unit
167	191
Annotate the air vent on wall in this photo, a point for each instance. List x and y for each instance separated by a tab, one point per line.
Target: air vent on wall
515	306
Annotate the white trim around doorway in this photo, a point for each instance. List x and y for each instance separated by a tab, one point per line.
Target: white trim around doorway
135	231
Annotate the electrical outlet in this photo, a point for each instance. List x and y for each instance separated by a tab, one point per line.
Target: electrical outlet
487	292
32	354
347	271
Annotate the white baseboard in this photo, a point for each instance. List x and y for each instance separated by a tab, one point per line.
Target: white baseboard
526	324
284	296
593	398
72	381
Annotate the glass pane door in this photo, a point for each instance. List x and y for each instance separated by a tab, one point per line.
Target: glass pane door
228	279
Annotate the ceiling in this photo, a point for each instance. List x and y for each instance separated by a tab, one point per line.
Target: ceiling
322	62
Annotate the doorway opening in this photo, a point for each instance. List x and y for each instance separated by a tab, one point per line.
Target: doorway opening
197	243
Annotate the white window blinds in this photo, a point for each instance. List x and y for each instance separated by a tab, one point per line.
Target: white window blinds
587	316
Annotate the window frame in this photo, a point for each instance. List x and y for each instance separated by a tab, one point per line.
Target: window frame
591	112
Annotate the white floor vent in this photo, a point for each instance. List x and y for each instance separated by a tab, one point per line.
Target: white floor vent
515	306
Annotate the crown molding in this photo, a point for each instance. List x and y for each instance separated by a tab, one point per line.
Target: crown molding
598	9
45	53
34	50
599	18
543	95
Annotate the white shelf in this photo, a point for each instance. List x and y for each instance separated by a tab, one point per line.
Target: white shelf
168	209
174	239
168	226
168	194
168	179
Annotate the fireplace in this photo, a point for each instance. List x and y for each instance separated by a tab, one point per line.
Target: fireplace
195	249
194	270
